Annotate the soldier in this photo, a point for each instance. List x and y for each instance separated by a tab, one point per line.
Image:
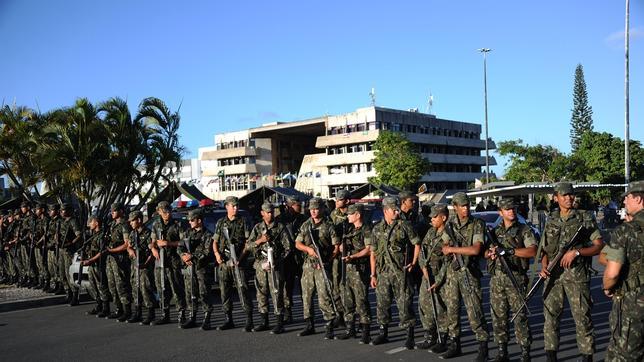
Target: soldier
466	240
24	243
118	264
166	234
574	279
195	252
141	258
293	219
41	252
53	249
356	250
391	261
95	261
517	245
70	236
409	212
4	270
623	280
231	231
339	218
314	277
434	267
269	242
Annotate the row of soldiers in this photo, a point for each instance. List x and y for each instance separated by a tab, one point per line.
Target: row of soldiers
339	256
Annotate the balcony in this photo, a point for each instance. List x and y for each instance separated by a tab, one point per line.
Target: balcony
229	153
346	178
346	138
452	176
346	158
231	170
450	141
458	159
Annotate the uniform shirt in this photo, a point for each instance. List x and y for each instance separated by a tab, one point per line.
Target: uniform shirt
278	240
41	227
391	244
325	236
341	222
140	241
119	232
53	232
518	235
94	244
467	234
27	223
357	239
197	243
237	233
626	247
69	230
172	231
432	257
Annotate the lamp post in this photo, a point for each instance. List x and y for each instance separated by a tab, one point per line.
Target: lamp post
487	148
627	156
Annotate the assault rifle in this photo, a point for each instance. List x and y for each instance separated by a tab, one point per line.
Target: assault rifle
427	274
237	275
327	282
459	263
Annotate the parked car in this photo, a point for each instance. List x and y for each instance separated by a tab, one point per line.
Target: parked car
493	219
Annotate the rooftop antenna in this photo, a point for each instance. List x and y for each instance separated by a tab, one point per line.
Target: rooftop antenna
372	95
430	103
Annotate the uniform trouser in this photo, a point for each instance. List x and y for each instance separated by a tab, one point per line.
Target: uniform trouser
198	288
627	328
292	269
578	294
312	282
336	280
98	282
355	293
4	261
12	263
425	308
41	262
227	283
173	286
19	261
118	279
142	285
503	298
394	284
266	287
455	291
27	261
64	262
52	266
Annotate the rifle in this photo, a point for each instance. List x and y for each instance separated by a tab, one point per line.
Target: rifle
32	247
552	265
162	267
81	257
327	282
272	280
430	281
137	269
192	270
44	245
237	275
460	263
343	264
57	239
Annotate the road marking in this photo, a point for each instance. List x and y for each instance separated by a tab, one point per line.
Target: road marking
396	350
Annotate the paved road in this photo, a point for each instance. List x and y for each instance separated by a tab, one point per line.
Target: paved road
66	333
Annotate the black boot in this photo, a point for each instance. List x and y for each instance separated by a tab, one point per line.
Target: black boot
586	358
308	328
69	296
453	348
409	342
366	337
502	355
149	317
105	313
429	340
136	316
329	329
191	322
441	346
75	298
382	336
264	325
350	332
338	322
525	354
279	328
182	318
248	327
118	313
205	325
127	313
228	323
164	320
96	310
59	289
483	352
288	319
551	356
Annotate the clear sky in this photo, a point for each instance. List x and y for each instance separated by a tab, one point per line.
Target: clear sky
232	65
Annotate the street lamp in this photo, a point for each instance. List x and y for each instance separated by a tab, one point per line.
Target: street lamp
487	149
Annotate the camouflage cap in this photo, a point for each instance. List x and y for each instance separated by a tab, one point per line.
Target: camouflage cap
316	203
439	209
234	200
390	202
135	215
41	205
460	198
66	206
292	199
564	188
17	212
506	204
117	206
195	214
403	195
267	206
25	204
343	194
164	205
353	208
53	206
635	186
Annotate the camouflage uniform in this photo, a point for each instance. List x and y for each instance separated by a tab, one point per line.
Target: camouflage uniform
96	271
69	230
436	263
173	282
574	282
355	292
339	219
312	275
118	265
627	316
238	234
40	252
53	234
293	261
503	296
198	244
24	245
140	240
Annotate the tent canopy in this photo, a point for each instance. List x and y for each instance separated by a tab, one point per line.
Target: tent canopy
257	197
173	191
369	187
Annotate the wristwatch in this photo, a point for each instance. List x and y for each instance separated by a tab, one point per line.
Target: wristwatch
577	253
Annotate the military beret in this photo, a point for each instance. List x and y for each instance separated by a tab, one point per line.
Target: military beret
53	206
135	215
195	214
164	205
564	188
41	205
404	195
25	204
267	206
390	202
292	200
505	204
65	206
460	198
17	212
353	208
439	209
342	194
635	186
234	200
316	203
117	206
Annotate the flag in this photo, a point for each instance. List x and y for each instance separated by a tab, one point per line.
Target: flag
422	189
221	173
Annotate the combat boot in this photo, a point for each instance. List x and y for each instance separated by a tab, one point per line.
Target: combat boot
96	310
182	317
483	352
279	328
164	320
502	355
136	316
382	336
127	313
69	297
149	317
409	342
288	319
586	358
59	289
338	322
329	329
205	325
366	338
441	346
191	322
453	348
350	332
105	312
118	313
308	328
228	323
248	327
551	356
429	340
75	299
525	354
264	325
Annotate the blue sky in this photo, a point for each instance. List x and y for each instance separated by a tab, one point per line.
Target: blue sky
235	65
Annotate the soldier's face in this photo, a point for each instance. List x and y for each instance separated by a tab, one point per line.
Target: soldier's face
508	214
116	214
65	213
165	215
565	201
92	224
633	204
231	209
267	216
134	224
195	223
39	212
438	221
352	218
24	209
315	213
340	204
297	207
463	211
52	213
390	213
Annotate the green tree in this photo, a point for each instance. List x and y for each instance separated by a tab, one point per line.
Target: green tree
582	113
537	163
397	161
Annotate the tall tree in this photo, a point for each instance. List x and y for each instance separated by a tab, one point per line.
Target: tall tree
537	163
582	113
397	161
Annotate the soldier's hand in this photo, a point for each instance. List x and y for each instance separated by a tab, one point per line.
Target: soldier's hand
446	250
544	273
568	258
311	252
161	243
609	293
433	287
347	259
187	258
85	262
155	253
491	253
131	253
219	259
373	282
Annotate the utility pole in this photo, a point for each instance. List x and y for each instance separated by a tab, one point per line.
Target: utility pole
487	148
627	156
